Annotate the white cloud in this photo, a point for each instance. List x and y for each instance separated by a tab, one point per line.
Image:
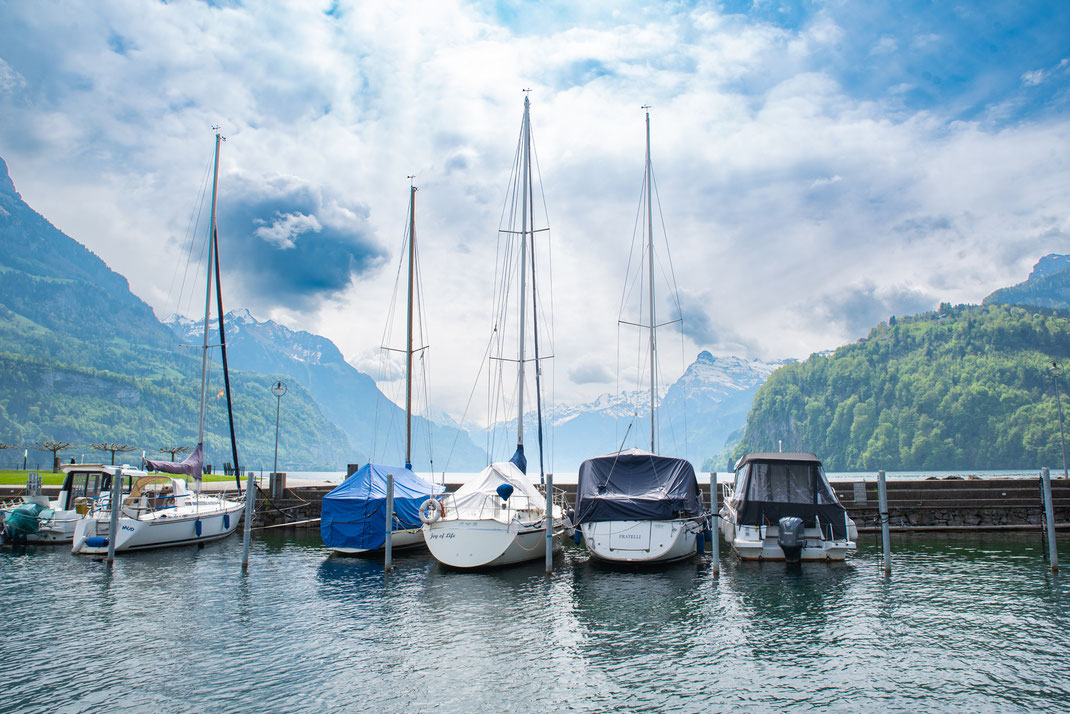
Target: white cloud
780	189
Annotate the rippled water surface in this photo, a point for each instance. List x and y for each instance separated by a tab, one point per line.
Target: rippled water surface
966	622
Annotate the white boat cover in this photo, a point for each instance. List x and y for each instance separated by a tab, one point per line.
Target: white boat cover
470	500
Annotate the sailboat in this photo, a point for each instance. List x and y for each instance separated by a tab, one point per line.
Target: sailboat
634	506
160	510
499	516
353	516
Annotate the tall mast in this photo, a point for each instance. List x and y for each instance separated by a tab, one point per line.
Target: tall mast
208	296
525	170
650	267
408	348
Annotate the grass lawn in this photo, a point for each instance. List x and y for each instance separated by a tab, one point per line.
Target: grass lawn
9	477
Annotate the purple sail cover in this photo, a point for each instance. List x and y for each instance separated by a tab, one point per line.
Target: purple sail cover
192	465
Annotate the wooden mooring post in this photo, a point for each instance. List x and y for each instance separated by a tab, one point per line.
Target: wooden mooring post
388	546
1049	518
715	527
549	523
882	498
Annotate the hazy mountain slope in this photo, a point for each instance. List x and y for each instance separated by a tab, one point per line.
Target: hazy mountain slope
1047	286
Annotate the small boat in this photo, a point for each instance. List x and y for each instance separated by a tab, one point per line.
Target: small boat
637	507
161	511
782	507
499	517
40	520
353	515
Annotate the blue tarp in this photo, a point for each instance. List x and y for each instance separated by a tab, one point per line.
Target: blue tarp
354	513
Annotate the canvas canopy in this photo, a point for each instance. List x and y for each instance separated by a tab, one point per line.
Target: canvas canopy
635	485
471	499
771	486
353	515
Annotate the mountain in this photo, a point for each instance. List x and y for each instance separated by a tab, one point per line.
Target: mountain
373	424
1047	286
965	387
84	360
696	415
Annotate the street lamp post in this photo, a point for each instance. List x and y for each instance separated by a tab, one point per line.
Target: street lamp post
278	389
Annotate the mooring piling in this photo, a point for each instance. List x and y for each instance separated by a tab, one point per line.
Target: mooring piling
549	520
882	498
715	527
250	506
1049	518
388	546
113	526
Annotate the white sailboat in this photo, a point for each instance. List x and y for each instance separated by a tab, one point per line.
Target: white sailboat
634	506
353	516
161	511
499	517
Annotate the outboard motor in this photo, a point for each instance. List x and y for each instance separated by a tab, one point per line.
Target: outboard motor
791	538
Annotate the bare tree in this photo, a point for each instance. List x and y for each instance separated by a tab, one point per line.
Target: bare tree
5	447
113	448
173	450
55	447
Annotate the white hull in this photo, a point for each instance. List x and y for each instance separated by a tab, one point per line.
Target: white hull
760	543
399	539
218	518
641	541
485	543
57	530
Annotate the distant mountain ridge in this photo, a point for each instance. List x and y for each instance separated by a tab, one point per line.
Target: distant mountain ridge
1048	285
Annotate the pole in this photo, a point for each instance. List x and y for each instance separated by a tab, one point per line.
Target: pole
882	498
715	527
388	561
113	526
408	329
1059	404
650	266
525	170
1049	519
549	523
250	506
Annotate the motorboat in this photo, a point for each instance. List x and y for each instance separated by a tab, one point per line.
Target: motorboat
40	520
637	507
782	507
353	516
496	518
159	511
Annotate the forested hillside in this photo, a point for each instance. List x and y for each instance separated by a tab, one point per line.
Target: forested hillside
963	387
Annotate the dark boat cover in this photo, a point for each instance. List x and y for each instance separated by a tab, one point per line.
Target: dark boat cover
635	485
354	513
771	486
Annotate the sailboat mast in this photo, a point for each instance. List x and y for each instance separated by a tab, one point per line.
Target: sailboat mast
525	170
650	268
208	296
408	348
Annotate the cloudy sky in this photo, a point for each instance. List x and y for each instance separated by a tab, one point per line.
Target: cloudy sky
820	165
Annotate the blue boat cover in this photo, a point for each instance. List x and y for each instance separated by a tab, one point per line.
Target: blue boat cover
354	513
635	485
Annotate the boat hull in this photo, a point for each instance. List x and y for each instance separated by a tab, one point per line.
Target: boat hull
486	543
760	543
410	538
641	541
162	531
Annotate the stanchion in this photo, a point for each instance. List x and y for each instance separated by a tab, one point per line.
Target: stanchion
1049	519
882	498
715	527
388	560
250	507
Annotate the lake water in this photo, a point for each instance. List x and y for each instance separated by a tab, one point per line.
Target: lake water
966	622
